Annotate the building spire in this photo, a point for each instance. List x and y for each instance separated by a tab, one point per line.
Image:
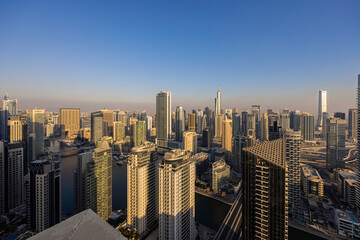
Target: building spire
6	96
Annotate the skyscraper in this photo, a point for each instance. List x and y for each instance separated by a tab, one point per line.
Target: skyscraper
285	120
36	120
10	105
93	181
358	148
218	125
264	127
236	123
352	123
255	109
69	122
292	141
15	129
244	122
307	127
226	139
97	130
11	176
190	141
218	102
207	138
295	120
177	196
179	123
163	118
322	108
265	209
119	131
44	194
142	188
140	133
192	122
335	143
251	125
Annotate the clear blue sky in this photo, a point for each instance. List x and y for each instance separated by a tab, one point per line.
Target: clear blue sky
118	54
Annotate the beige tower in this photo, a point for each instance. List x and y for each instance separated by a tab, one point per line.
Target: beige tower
227	134
190	141
218	125
15	129
142	188
191	121
69	122
177	196
265	127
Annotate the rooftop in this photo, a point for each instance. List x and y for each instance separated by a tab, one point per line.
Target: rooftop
86	225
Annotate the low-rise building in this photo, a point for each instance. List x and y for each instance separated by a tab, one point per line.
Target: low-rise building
347	224
311	181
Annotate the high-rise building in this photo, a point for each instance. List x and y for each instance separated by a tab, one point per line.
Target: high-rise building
264	127
265	206
340	115
326	116
285	120
11	176
236	123
220	175
292	145
192	122
140	133
244	122
93	181
142	188
295	120
239	142
255	109
177	196
36	121
119	131
10	105
43	194
15	129
335	143
207	138
199	121
97	129
69	122
218	102
321	108
190	141
352	123
163	118
358	148
226	139
251	125
218	125
307	127
179	123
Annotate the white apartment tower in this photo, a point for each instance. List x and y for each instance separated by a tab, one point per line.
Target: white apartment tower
177	196
322	108
218	102
142	188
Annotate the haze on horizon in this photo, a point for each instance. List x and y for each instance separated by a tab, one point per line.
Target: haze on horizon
93	55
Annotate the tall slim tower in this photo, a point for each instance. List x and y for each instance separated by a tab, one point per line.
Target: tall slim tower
358	148
44	194
179	123
264	127
322	108
163	118
218	102
335	143
93	181
352	123
192	122
265	209
177	196
307	127
142	188
36	121
226	139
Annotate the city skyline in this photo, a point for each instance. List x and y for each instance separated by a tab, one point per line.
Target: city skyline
122	53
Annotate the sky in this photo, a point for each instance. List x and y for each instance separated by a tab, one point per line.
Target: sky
119	54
